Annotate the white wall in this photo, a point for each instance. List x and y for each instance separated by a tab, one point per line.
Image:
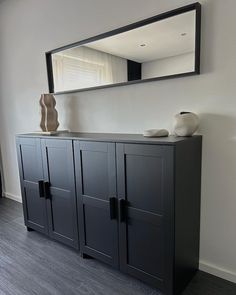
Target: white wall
178	64
28	28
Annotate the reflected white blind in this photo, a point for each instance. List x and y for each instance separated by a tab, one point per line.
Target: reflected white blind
80	73
84	67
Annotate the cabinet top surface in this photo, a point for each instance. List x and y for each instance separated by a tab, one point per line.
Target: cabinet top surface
112	137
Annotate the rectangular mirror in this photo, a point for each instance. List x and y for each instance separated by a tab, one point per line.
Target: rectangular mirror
161	47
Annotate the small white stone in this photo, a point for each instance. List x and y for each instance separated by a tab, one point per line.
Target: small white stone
156	133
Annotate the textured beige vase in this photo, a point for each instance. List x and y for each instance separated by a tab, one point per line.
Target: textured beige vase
49	117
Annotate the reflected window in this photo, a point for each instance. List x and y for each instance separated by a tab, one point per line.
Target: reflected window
86	67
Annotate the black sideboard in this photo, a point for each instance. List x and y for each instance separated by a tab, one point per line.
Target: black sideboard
129	201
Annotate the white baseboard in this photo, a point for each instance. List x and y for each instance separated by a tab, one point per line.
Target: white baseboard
12	197
218	271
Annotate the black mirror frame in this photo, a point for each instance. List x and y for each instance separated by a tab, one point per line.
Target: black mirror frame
195	6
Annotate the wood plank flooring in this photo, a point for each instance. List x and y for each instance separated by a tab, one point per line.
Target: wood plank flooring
33	264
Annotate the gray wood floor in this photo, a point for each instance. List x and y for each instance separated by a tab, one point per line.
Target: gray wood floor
32	264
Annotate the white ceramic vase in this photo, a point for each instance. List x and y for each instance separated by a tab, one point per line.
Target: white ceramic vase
186	124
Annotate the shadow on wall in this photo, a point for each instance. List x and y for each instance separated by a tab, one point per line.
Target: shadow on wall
219	140
72	114
219	127
208	36
219	164
218	208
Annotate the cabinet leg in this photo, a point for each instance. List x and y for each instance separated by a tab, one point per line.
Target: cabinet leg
85	256
29	229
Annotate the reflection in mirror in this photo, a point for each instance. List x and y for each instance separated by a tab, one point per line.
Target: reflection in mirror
158	49
84	67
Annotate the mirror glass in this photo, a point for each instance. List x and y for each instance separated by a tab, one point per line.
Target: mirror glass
163	48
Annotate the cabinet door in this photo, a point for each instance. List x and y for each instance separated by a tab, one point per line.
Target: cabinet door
96	188
59	177
31	178
145	184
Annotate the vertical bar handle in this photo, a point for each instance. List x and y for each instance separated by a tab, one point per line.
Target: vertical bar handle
47	190
41	188
122	210
112	202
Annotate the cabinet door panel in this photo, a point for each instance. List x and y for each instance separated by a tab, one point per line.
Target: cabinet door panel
61	203
31	171
95	177
145	243
94	220
96	184
61	209
33	203
145	181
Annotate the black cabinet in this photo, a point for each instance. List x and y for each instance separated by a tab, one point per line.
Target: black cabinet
31	175
97	199
48	187
140	208
145	190
138	200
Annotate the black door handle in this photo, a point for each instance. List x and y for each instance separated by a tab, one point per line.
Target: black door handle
112	208
47	190
122	210
41	188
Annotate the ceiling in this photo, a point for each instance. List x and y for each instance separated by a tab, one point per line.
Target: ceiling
162	39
